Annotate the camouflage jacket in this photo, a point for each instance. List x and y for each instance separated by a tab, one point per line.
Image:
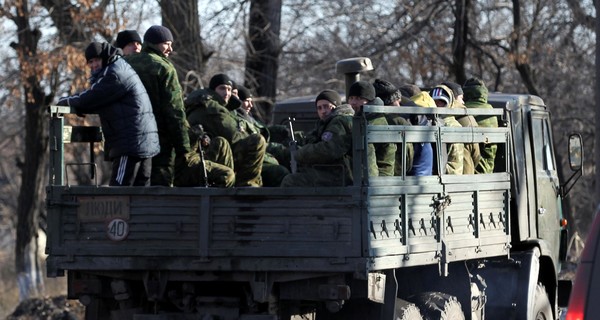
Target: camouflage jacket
160	79
207	108
331	140
476	97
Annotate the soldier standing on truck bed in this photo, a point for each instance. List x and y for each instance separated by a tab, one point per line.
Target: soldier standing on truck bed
326	157
381	156
128	124
476	96
160	79
209	108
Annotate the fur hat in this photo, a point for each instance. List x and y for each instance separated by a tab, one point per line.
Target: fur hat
362	89
386	91
410	90
243	92
456	88
158	34
330	96
126	37
219	79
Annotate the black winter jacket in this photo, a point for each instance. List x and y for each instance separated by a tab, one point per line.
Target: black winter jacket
118	96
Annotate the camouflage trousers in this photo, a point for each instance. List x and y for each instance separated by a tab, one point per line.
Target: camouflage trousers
249	155
318	176
163	167
218	163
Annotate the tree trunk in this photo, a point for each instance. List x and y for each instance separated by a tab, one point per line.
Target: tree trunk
459	42
32	185
262	52
597	99
190	56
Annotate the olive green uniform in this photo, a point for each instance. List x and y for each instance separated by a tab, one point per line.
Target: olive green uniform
272	172
327	159
472	154
160	80
381	156
398	120
206	107
476	96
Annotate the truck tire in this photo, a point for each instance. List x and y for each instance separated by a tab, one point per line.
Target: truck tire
407	311
542	309
438	306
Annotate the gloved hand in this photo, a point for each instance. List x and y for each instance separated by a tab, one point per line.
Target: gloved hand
192	158
205	141
64	101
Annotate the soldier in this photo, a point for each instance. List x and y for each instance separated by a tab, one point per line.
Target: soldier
381	156
327	159
272	171
472	152
454	162
391	96
476	95
213	109
129	41
160	79
422	164
128	124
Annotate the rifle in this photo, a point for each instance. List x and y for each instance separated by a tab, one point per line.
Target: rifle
293	147
199	131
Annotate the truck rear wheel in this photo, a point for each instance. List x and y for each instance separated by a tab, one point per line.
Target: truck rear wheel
542	309
407	311
438	306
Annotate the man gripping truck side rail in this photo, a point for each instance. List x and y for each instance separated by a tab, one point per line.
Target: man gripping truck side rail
440	246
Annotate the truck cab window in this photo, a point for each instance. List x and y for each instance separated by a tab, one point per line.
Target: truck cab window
542	146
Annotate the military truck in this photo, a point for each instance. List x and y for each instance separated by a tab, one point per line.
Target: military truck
482	246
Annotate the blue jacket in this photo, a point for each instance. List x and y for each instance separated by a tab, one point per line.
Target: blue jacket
118	96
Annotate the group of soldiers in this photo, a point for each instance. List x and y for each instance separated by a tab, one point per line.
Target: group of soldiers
211	138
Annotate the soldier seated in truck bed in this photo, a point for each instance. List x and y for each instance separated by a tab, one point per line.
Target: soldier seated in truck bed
327	159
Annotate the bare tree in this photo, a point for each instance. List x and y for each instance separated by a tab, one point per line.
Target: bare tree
39	73
191	56
263	49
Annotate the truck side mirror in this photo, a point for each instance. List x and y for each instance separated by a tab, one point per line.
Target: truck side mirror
575	152
575	162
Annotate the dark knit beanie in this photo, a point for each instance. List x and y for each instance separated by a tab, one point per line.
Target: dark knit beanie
410	90
243	92
93	50
126	37
158	34
330	96
386	91
455	87
362	89
219	79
